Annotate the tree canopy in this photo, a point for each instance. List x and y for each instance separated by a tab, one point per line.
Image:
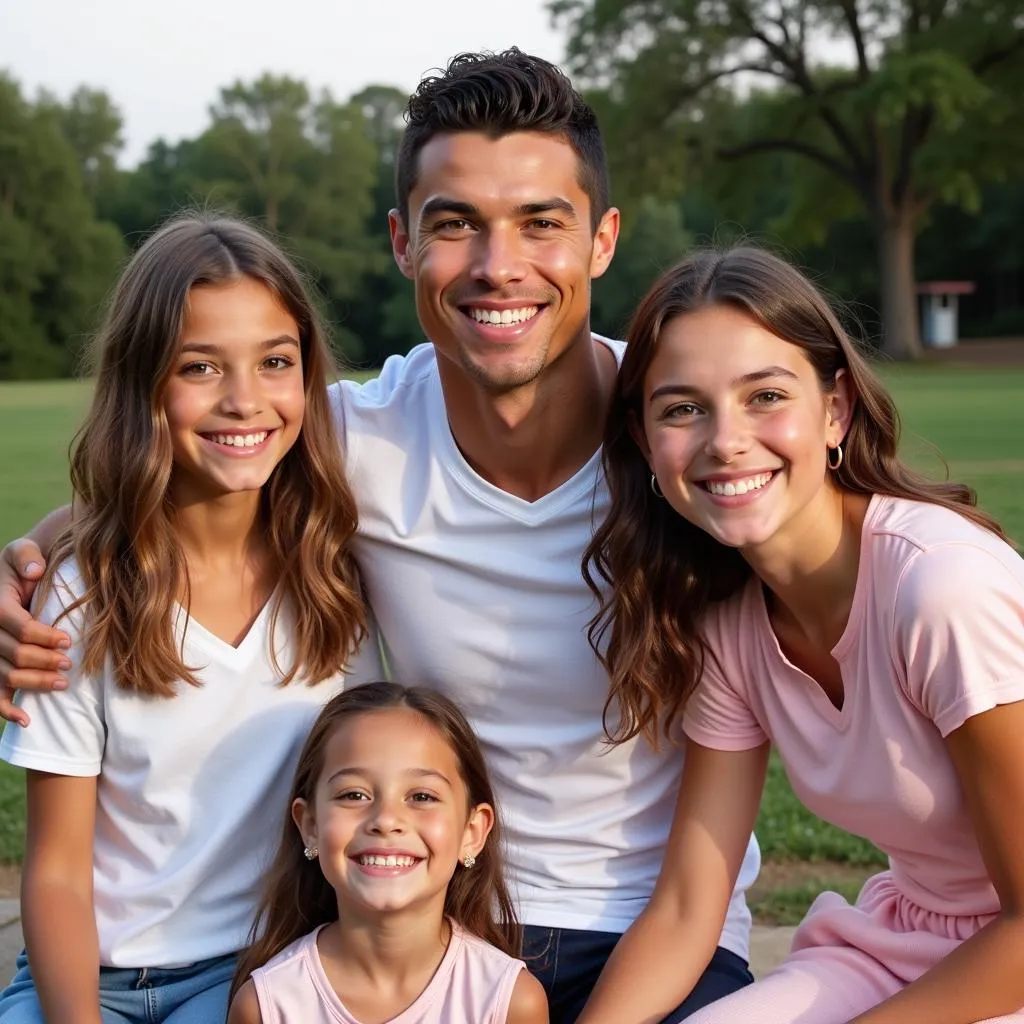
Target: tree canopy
890	106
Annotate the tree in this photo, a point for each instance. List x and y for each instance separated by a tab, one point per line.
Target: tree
91	124
924	112
57	260
260	128
652	240
383	107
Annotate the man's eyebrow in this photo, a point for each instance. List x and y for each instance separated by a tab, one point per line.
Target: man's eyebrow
445	204
556	203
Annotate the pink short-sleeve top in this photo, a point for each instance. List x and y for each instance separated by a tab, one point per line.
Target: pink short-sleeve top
935	636
472	985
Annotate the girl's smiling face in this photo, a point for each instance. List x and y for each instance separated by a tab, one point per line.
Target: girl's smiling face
235	400
736	426
391	816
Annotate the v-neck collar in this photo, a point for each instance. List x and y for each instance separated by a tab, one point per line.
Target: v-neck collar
838	717
190	631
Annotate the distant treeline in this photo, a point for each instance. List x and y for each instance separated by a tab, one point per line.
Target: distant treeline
318	172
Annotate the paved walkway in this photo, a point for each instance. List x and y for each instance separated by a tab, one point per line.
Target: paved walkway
10	938
767	945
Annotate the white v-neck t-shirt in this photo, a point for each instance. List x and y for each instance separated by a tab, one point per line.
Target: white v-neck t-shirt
479	594
192	789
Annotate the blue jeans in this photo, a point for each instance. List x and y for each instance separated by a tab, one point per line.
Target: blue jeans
197	994
567	963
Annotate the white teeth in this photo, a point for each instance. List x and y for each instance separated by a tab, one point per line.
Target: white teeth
729	488
389	861
502	317
240	440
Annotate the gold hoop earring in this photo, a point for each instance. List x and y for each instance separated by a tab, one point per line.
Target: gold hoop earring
655	487
834	464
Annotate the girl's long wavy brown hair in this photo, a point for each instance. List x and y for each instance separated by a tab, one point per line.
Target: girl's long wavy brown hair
661	571
123	532
297	897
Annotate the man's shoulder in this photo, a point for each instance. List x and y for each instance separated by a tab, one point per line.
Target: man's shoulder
617	347
402	378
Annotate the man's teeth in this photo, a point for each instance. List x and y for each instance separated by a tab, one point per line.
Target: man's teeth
502	317
378	861
728	488
240	440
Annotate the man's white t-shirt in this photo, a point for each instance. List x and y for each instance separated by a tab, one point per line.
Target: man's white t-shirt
480	595
192	790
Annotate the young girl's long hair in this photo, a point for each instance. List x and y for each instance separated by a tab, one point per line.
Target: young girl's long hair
297	897
662	571
123	533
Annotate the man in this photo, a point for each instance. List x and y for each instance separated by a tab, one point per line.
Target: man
475	462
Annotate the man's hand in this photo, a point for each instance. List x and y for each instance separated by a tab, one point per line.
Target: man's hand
31	654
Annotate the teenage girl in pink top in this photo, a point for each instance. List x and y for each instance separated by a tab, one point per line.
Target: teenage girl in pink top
386	901
779	572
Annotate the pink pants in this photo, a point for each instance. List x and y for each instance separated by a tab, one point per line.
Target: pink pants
846	960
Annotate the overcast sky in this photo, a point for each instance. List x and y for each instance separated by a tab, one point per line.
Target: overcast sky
162	61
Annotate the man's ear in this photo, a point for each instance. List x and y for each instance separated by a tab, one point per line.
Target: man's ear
605	238
400	243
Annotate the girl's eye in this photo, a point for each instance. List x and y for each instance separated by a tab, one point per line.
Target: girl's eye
352	796
768	397
196	369
681	410
277	362
422	798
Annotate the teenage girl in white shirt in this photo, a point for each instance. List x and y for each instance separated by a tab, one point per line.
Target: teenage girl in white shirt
207	587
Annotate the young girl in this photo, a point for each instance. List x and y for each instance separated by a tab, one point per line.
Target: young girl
207	586
387	899
781	574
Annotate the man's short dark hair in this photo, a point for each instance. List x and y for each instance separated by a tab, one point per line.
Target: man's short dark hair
497	94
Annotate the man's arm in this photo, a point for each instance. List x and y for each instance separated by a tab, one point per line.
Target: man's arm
31	654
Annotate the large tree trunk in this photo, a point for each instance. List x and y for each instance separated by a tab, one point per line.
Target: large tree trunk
901	332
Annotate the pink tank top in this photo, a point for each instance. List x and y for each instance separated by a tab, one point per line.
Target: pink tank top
472	985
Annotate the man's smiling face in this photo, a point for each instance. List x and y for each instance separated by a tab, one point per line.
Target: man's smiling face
501	249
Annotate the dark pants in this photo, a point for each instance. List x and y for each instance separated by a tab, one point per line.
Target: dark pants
567	963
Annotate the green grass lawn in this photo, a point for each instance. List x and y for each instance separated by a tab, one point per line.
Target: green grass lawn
975	417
